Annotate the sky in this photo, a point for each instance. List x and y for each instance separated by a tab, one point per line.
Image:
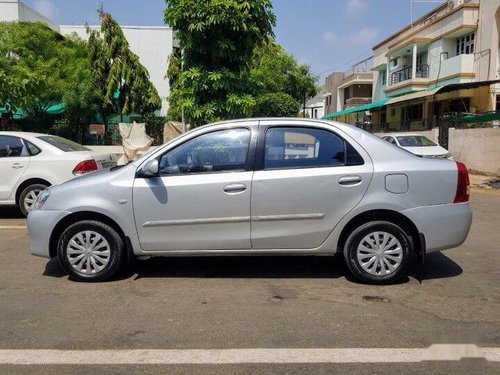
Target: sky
328	35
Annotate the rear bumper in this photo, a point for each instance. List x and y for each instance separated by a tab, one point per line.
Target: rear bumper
443	226
40	226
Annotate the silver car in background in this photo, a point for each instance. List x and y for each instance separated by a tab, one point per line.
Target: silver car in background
259	186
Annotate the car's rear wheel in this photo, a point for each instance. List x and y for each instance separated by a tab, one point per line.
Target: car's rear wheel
28	197
378	252
90	251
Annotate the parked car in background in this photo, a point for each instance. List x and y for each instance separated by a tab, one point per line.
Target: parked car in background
31	162
419	145
259	186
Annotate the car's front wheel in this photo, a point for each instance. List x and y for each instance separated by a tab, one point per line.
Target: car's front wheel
28	197
378	252
90	251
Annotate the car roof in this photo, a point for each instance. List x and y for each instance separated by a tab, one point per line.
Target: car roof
20	133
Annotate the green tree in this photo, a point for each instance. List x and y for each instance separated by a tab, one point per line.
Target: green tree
273	70
217	39
121	81
276	104
30	61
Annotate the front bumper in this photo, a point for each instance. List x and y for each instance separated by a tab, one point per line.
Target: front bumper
41	223
443	226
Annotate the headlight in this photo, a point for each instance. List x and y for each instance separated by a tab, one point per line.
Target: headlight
41	199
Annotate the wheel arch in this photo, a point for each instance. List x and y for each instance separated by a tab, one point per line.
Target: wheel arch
30	181
417	240
85	215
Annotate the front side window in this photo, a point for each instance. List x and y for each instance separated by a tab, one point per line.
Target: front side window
303	147
12	147
224	150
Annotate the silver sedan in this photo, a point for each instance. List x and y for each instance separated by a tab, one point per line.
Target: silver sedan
259	186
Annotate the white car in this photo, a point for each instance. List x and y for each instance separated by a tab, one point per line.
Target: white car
31	162
419	145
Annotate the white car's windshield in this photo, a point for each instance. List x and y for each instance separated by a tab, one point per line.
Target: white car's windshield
62	143
415	141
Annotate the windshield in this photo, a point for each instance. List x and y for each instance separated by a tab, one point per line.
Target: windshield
62	143
415	141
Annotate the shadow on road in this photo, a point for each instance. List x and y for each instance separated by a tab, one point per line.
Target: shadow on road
437	266
9	212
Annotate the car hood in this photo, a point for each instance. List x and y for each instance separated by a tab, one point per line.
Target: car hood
427	150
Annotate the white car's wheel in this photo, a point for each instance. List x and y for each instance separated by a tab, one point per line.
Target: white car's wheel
378	252
28	197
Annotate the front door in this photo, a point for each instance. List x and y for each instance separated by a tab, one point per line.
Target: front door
310	179
14	159
201	200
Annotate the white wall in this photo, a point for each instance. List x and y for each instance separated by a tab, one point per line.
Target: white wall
152	44
9	10
15	10
477	148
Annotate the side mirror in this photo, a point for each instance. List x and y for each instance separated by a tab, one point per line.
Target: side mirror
150	169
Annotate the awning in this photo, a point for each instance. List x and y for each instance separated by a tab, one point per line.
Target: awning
361	108
466	85
413	96
20	113
440	90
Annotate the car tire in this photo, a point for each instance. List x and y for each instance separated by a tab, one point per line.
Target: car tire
378	252
28	196
90	251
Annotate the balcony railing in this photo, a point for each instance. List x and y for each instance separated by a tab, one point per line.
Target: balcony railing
406	73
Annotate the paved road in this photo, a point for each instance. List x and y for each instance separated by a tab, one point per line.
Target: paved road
255	302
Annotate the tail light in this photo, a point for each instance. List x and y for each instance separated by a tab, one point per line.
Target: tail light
462	194
85	166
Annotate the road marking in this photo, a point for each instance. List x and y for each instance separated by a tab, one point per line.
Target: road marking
446	352
14	227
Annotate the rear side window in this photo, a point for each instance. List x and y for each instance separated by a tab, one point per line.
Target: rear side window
12	147
62	143
307	148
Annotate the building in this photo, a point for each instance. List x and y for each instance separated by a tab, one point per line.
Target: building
152	44
315	107
444	63
349	89
15	10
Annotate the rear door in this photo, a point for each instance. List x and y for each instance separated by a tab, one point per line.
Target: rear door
308	179
14	160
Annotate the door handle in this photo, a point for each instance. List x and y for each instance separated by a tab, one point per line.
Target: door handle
350	180
17	166
235	188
